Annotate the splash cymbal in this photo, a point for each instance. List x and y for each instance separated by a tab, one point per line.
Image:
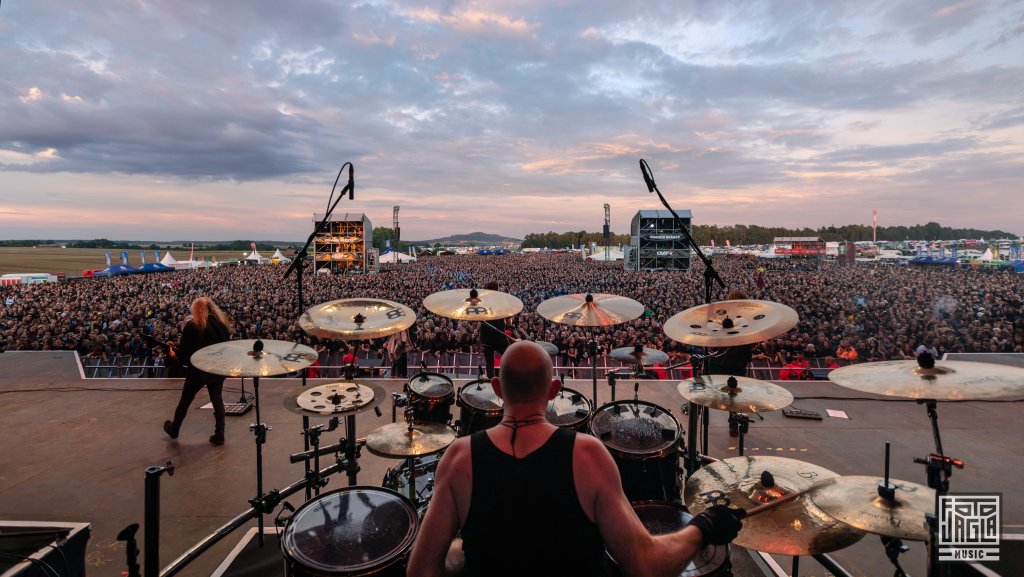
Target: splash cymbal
794	528
473	304
730	323
946	381
397	441
749	395
356	319
590	310
333	399
237	358
647	356
854	500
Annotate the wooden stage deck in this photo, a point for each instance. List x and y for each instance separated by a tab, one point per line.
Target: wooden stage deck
76	450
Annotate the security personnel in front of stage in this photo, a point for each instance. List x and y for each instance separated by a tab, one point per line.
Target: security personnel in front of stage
533	499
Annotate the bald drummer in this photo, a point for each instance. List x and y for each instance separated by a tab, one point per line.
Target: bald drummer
530	498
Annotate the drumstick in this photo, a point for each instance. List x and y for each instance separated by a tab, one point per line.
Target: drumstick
777	502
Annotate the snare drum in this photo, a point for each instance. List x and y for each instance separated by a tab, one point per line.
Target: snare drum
644	440
397	478
481	407
660	518
431	396
569	410
350	532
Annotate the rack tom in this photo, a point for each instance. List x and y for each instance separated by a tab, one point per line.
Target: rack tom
431	396
644	439
660	518
569	410
481	408
353	531
422	475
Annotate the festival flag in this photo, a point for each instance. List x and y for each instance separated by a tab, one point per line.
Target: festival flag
191	253
142	255
942	251
107	254
954	249
124	257
156	254
712	243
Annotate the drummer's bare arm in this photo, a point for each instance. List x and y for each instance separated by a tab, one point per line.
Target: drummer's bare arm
634	549
446	513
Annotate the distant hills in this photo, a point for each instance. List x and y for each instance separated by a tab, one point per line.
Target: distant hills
473	238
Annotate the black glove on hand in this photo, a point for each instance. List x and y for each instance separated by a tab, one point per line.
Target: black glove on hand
718	525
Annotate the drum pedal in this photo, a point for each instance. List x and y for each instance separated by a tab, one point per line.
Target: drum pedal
801	414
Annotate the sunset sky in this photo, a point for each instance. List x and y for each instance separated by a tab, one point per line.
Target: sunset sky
216	120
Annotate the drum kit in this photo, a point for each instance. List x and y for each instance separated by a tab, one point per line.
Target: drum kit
791	507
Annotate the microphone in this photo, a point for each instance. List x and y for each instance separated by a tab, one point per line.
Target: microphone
648	179
351	183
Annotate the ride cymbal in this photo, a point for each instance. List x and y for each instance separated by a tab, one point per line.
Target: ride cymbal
357	319
946	381
238	358
854	500
794	528
473	304
749	395
333	399
730	323
647	356
590	310
397	441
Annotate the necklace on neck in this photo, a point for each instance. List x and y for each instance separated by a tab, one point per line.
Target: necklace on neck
514	424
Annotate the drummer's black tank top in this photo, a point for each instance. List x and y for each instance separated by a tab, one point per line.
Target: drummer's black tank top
525	518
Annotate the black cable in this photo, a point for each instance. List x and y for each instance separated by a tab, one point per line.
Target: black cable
67	567
46	567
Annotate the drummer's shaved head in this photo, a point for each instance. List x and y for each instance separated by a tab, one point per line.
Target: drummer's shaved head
525	373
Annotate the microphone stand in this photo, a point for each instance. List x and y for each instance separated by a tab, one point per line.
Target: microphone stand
711	277
297	266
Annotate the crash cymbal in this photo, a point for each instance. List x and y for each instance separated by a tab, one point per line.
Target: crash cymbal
854	500
590	310
647	356
749	395
946	381
333	399
396	441
473	304
237	358
356	319
730	323
548	347
794	528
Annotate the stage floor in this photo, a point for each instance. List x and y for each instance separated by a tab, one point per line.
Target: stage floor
76	450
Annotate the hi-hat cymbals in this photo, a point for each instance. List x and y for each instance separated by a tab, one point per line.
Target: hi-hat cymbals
647	356
794	528
946	381
237	358
473	304
356	319
749	395
854	500
590	310
333	399
396	441
730	323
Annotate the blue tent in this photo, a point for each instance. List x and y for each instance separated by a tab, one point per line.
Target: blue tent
483	251
117	270
154	267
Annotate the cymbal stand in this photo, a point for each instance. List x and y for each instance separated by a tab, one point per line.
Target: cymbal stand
410	462
611	383
893	545
939	468
351	450
592	347
312	434
259	430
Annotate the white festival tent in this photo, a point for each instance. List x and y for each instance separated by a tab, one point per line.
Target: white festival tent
257	258
280	257
395	257
613	254
168	259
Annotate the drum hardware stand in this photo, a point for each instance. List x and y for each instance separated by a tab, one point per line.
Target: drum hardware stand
151	536
399	400
410	462
312	435
743	421
893	548
592	347
939	468
611	383
131	549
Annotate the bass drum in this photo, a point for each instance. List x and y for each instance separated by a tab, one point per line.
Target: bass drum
481	407
569	410
398	478
660	518
431	396
644	440
350	532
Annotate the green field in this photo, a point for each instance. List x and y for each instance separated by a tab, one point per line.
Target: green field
72	261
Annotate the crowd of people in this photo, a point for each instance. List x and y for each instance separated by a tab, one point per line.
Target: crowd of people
859	312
